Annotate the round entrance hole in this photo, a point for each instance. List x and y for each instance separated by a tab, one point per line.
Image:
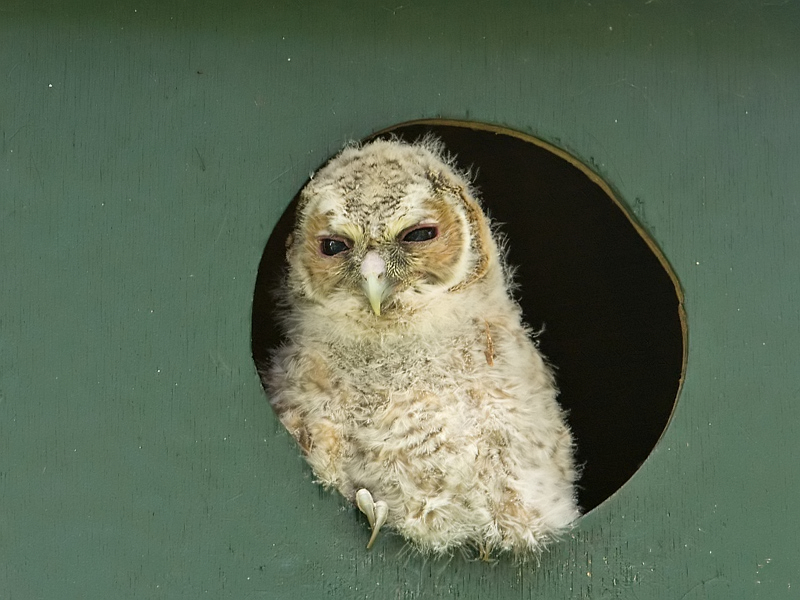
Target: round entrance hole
608	304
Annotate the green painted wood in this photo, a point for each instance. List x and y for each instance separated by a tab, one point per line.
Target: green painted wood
146	151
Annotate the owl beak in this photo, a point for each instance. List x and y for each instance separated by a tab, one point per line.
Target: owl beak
373	268
374	288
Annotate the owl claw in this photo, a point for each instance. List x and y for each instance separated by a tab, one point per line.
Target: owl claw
381	512
376	512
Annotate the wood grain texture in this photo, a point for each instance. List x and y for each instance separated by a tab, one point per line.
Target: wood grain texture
147	150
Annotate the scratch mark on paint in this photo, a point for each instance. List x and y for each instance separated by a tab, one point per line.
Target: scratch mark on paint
202	162
703	583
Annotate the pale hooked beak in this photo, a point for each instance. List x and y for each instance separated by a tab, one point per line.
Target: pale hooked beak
373	268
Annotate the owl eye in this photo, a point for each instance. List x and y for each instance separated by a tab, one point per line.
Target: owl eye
332	246
421	234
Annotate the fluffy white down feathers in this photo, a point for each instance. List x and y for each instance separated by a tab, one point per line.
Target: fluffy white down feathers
407	376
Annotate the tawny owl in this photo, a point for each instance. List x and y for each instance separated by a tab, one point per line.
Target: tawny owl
407	377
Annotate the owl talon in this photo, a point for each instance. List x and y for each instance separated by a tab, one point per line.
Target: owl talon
381	512
485	551
376	512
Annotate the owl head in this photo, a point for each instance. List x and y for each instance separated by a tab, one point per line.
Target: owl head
383	226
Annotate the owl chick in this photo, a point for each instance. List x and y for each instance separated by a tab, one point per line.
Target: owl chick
408	378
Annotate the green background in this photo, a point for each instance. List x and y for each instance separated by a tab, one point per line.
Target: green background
148	148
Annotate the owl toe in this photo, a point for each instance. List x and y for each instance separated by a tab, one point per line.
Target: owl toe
376	512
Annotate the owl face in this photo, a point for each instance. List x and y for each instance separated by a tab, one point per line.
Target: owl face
386	223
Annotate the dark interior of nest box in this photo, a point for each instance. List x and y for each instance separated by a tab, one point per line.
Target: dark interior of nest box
605	299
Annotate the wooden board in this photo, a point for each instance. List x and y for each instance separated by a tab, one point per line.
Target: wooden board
146	152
